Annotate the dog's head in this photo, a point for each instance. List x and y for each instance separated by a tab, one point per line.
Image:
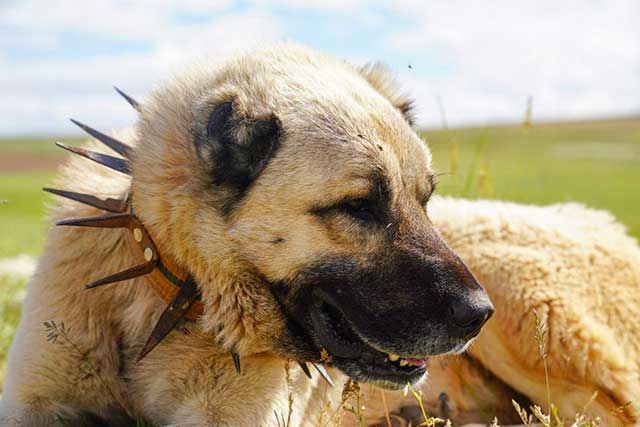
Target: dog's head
293	188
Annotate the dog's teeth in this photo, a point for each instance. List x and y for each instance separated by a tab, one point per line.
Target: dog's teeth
393	357
403	362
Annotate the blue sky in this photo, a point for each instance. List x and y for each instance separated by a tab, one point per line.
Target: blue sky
577	58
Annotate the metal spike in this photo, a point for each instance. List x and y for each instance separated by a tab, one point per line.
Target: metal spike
108	204
171	315
305	369
135	104
236	361
103	221
131	273
323	373
119	147
115	163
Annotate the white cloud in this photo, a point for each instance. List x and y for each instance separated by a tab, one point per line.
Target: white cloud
38	95
137	20
575	58
341	5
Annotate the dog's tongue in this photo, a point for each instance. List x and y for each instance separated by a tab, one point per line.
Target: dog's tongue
420	363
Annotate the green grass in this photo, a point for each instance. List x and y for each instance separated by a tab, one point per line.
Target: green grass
35	147
22	221
10	305
22	209
595	163
26	165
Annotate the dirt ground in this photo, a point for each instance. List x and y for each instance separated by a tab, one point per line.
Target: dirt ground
26	163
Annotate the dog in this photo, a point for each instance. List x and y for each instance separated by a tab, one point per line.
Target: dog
275	211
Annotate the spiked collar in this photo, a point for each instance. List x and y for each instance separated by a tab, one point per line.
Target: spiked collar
174	285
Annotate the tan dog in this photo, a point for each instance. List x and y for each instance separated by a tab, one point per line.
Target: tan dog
290	189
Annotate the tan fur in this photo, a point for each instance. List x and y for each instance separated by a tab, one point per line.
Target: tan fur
379	76
341	123
189	378
580	271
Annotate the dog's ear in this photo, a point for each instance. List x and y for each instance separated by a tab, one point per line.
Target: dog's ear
381	79
237	147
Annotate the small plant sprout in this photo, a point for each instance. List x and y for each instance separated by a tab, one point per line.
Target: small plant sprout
280	420
528	114
541	339
541	416
526	418
620	409
325	357
428	421
350	391
552	418
56	331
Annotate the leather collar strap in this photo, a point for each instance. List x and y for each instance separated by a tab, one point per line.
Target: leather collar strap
174	285
166	278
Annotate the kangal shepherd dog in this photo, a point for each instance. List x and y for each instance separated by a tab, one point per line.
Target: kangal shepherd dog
262	232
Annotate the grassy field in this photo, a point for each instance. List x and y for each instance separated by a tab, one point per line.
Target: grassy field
26	165
596	163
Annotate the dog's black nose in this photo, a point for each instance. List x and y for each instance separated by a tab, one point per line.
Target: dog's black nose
470	316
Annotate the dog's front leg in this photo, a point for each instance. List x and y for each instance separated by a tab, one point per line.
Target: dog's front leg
187	381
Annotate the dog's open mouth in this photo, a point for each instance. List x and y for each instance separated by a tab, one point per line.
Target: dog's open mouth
350	352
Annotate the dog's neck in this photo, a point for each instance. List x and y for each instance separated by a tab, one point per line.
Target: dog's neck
165	277
174	285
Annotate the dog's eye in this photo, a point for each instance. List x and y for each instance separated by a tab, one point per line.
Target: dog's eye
361	209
